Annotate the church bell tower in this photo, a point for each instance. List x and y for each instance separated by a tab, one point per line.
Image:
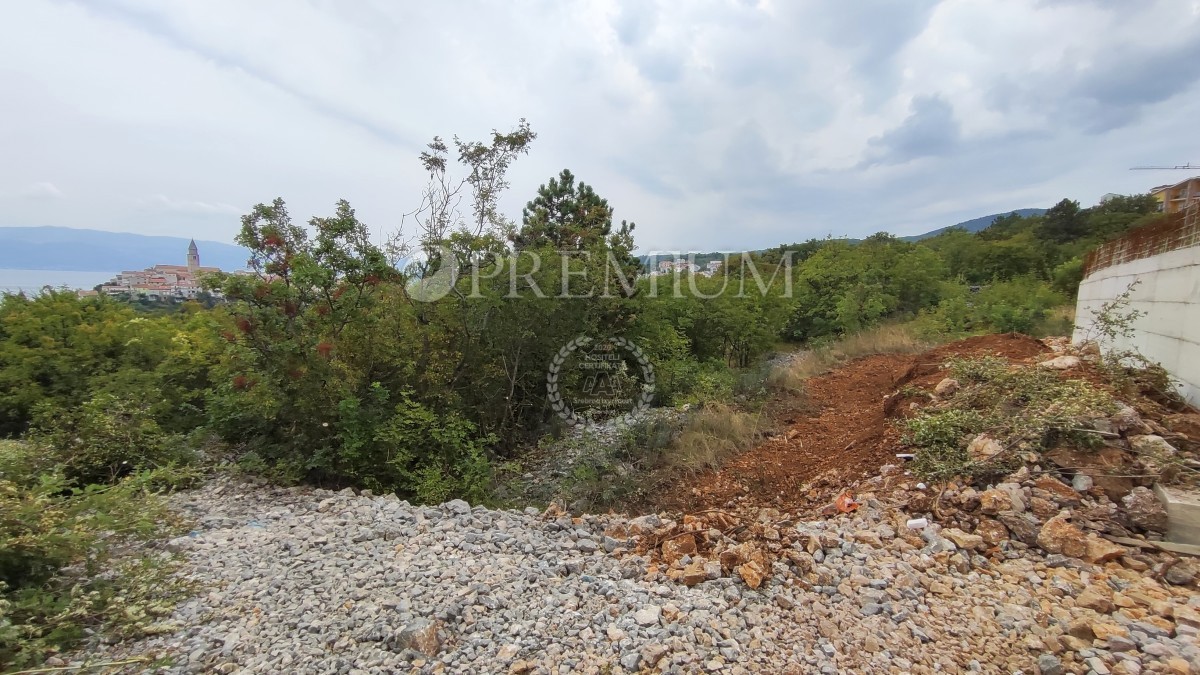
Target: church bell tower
193	257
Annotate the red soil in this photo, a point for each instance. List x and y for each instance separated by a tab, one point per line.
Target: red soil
846	436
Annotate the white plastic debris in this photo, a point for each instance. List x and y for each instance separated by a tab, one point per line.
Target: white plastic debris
921	486
917	523
906	456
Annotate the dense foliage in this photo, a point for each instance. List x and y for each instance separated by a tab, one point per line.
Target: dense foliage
333	363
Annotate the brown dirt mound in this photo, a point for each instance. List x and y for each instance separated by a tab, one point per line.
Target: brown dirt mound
846	436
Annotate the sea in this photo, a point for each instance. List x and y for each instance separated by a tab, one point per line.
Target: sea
33	281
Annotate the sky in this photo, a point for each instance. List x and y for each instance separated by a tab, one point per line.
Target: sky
713	124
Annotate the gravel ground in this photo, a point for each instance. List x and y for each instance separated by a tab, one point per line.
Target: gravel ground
308	581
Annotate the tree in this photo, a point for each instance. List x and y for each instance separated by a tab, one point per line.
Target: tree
566	216
1064	222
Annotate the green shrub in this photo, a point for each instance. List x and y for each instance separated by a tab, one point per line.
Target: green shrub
104	439
1022	407
60	575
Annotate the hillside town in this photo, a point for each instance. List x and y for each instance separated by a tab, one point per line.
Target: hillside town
161	283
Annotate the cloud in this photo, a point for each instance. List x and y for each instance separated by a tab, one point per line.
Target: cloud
40	190
929	131
713	124
164	203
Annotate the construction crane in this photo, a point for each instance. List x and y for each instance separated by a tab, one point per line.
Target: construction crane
1189	166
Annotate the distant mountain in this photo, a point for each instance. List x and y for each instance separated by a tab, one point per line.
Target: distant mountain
67	248
975	224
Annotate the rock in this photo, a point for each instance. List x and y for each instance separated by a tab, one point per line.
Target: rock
1126	419
752	573
695	573
868	537
946	388
457	506
507	652
1107	630
1100	550
644	524
994	501
420	635
1022	526
1144	510
676	547
992	531
971	542
1178	666
1049	664
648	616
983	447
1082	482
919	502
1065	362
630	661
1185	616
1058	535
1043	508
1187	424
653	653
735	556
1081	629
1060	492
1183	572
1152	444
1096	599
1107	466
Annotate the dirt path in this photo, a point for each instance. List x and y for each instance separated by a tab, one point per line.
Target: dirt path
847	434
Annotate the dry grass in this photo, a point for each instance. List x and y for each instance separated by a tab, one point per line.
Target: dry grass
1058	321
713	434
886	339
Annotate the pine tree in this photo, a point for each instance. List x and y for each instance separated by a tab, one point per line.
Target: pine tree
565	215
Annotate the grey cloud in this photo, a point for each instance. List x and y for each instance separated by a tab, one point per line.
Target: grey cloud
712	124
930	130
155	24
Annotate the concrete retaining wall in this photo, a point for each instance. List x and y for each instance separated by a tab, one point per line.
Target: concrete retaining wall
1169	294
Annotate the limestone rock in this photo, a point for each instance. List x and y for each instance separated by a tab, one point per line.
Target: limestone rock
971	542
946	388
994	501
1144	510
992	531
1058	535
644	524
1060	492
1152	444
1101	550
1043	508
868	537
676	547
1126	419
1061	363
648	616
1107	466
422	636
983	447
1183	572
752	573
694	573
1096	599
1049	664
1022	526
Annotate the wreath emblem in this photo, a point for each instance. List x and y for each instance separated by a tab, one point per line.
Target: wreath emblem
560	406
